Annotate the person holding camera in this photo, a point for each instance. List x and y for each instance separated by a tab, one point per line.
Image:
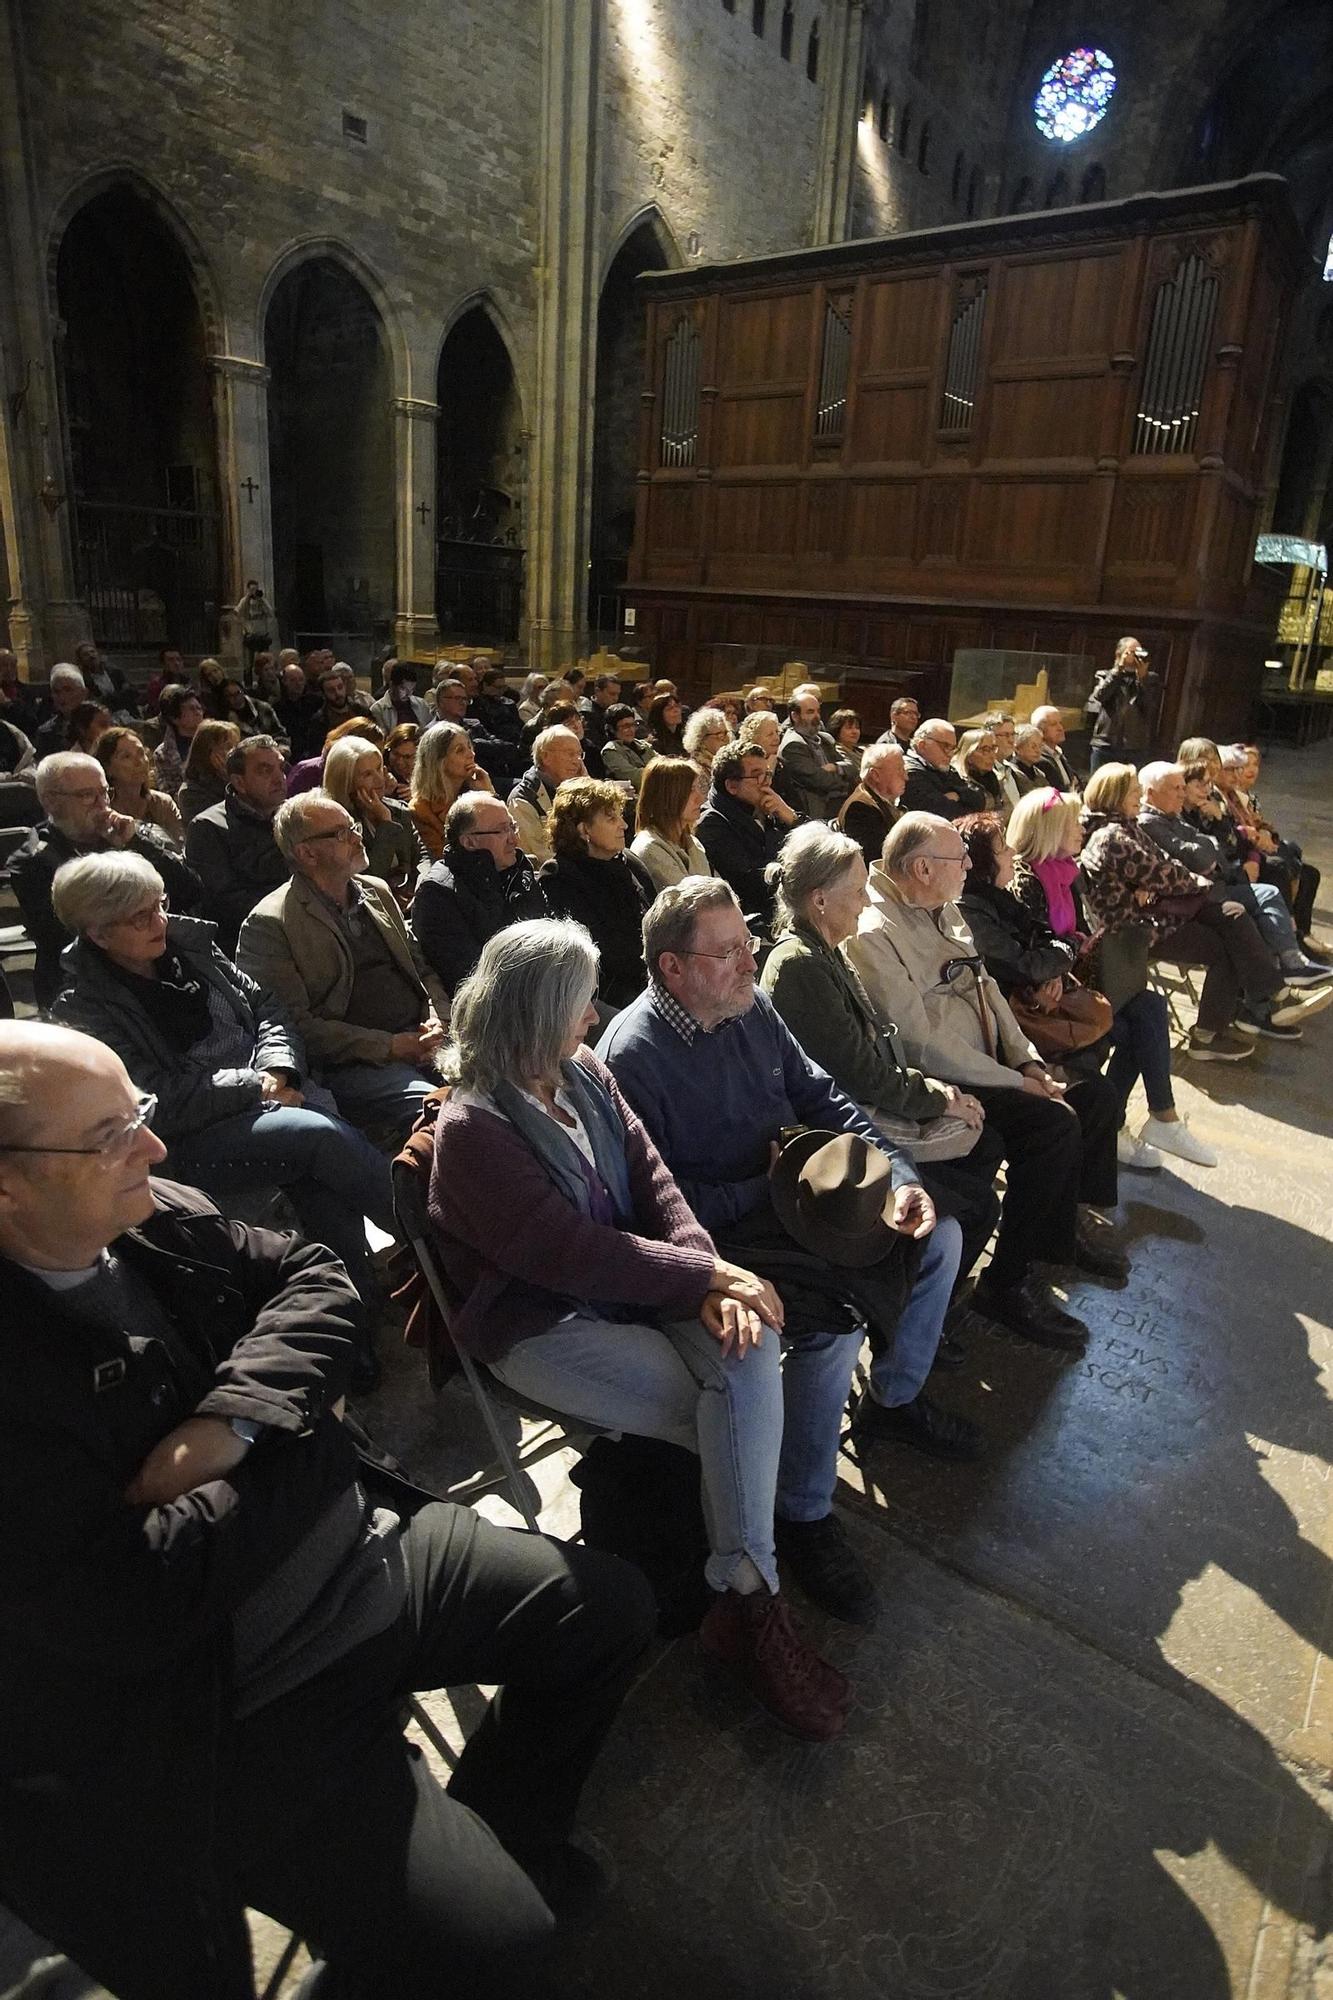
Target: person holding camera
1123	708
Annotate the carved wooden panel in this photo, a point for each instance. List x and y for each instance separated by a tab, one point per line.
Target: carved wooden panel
1149	524
754	520
1058	306
899	324
673	517
1046	419
1023	524
764	342
940	520
881	519
890	423
823	532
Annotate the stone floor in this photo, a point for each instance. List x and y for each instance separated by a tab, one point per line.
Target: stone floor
1091	1748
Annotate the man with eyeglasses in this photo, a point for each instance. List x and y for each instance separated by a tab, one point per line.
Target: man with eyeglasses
231	846
718	1079
72	790
918	962
743	825
482	883
214	1612
333	947
1123	708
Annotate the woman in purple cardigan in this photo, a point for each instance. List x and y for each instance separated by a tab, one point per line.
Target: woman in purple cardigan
586	1283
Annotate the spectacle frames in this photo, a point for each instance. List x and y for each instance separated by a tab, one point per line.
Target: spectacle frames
114	1148
959	860
143	920
751	944
334	833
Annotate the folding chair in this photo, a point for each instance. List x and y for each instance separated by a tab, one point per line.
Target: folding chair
409	1201
1180	986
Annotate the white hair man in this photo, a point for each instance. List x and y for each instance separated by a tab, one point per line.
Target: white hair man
557	754
919	964
66	688
933	785
870	812
73	793
1057	766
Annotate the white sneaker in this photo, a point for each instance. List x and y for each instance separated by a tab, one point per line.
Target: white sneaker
1175	1137
1132	1152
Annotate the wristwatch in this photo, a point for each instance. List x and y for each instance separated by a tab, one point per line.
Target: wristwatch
246	1430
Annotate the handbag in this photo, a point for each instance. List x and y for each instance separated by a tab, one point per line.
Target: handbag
1079	1018
1115	962
946	1137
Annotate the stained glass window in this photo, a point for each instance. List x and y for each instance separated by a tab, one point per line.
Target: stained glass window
1074	94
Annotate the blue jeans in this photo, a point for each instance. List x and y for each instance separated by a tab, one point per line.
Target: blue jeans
674	1382
1141	1047
381	1097
817	1376
333	1177
1277	926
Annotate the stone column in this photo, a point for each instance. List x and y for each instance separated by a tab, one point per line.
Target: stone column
842	58
415	629
561	483
240	405
46	618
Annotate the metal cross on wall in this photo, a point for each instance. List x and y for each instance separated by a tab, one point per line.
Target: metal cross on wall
424	511
249	488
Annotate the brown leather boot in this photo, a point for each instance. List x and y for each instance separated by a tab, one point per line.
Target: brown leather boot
755	1636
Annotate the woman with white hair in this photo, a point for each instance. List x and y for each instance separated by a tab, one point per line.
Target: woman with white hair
586	1282
354	775
529	701
703	735
228	1074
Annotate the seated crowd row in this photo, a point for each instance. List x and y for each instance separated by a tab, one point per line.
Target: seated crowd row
718	1109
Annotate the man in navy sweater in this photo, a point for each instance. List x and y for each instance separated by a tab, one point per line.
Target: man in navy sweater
716	1076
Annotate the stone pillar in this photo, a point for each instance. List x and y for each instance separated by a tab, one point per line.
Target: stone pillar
561	486
46	618
842	57
415	629
240	405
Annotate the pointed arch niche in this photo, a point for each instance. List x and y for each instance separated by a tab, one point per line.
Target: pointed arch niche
648	246
330	427
481	475
139	422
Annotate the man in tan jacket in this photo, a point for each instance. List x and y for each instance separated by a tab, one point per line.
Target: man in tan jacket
916	959
331	945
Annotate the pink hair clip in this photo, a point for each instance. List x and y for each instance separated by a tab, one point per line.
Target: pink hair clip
1052	798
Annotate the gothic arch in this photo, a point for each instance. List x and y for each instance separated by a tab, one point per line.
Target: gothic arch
650	216
310	248
484	301
121	174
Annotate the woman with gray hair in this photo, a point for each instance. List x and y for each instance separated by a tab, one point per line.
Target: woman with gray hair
226	1071
821	893
586	1283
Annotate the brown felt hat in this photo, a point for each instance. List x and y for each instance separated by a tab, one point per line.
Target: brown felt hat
834	1193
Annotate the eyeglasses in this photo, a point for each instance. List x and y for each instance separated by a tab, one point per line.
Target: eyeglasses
334	833
495	832
114	1148
144	919
85	797
959	860
751	944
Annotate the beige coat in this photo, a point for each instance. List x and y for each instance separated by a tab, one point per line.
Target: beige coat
292	944
667	863
961	1031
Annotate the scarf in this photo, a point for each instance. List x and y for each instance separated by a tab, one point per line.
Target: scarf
176	1002
562	1159
1057	875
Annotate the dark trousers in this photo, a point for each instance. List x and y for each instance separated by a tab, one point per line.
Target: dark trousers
1055	1161
965	1189
1237	959
328	1820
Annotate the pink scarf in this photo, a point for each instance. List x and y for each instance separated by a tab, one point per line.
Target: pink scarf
1056	876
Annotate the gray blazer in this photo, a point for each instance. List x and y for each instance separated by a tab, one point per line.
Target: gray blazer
293	945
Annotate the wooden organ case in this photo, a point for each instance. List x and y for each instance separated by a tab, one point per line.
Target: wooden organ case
1034	433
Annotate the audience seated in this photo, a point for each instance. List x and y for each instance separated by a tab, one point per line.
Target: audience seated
1045	836
974	762
844	726
209	1630
904	721
1058	769
19	700
708	1065
400	701
211	679
73	793
919	963
759	701
122	754
234	1106
624	753
557	754
743	826
1128	879
869	812
547	1189
205	780
1028	762
933	785
809	774
105	683
341	698
86	725
179	714
333	949
252	715
529	699
66	690
499	756
18	767
1169	791
482	883
595	708
592	879
704	734
231	847
554	694
444	768
1283	861
670	801
354	776
821	893
300	713
309	775
400	756
1011	787
761	730
665	729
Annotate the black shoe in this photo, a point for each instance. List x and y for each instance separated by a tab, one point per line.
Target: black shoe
1100	1258
1275	1025
824	1563
1031	1311
921	1423
949	1354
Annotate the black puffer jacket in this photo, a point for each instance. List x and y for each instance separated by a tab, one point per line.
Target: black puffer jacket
1019	950
610	899
464	899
